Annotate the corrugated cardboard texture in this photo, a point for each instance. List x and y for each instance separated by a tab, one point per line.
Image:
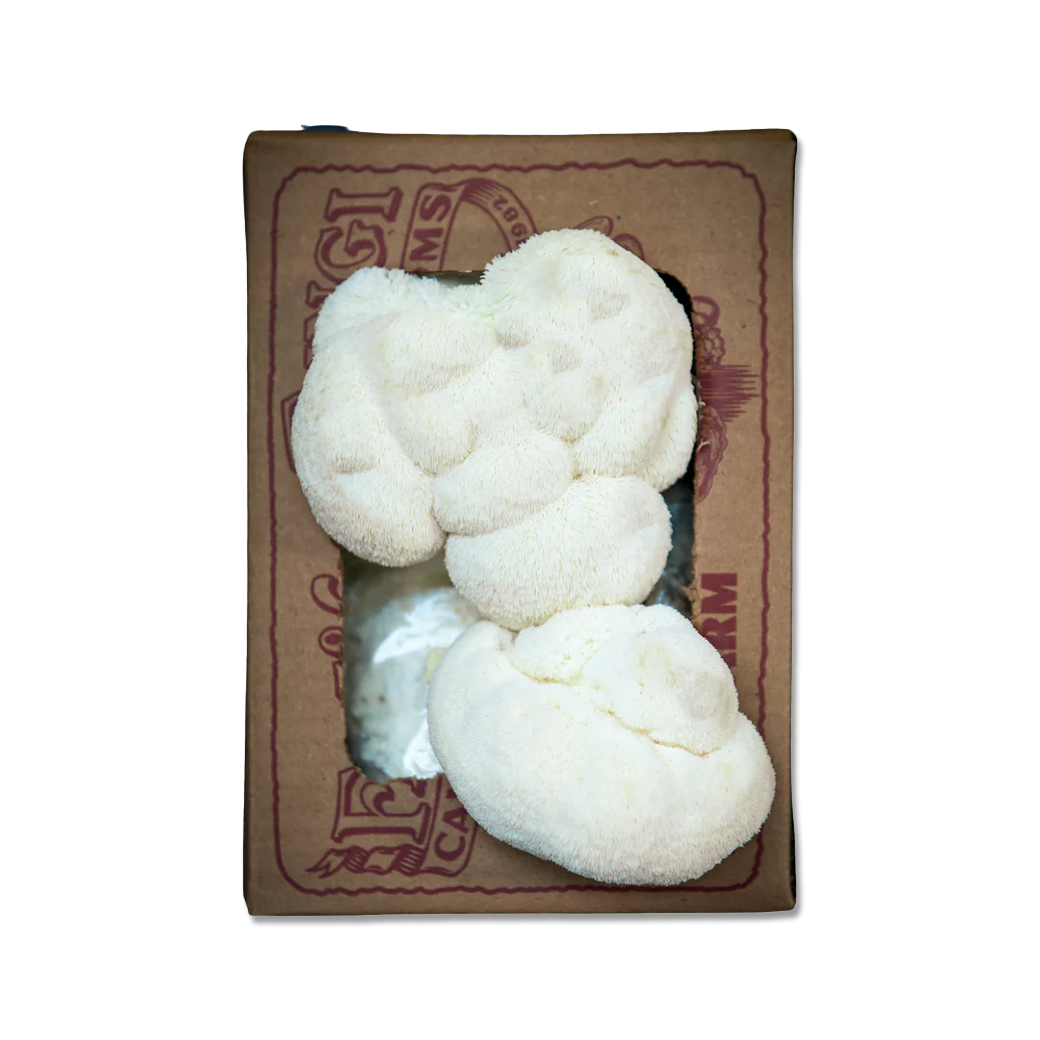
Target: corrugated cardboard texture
715	211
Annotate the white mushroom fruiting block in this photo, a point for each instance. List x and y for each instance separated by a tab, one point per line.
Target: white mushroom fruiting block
607	740
531	419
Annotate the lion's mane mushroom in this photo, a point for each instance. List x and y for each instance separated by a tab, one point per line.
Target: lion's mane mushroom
532	417
607	740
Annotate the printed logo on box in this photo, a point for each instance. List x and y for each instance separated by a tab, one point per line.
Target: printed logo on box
408	826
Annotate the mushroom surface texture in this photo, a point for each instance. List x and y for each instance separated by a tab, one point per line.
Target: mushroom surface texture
531	418
607	740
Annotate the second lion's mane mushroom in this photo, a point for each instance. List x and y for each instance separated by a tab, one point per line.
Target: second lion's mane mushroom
607	740
532	419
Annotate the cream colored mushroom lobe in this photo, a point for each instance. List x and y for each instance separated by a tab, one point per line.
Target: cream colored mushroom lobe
607	741
531	419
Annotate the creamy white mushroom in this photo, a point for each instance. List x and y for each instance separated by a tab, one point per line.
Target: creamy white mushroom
532	418
607	740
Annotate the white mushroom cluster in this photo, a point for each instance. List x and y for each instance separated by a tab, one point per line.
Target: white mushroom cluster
607	740
527	425
531	419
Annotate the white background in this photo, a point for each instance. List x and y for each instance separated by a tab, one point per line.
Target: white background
124	517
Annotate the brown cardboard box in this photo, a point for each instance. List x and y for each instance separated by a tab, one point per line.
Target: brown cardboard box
715	211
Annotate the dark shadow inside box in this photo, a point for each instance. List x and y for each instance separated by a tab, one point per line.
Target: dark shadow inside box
398	621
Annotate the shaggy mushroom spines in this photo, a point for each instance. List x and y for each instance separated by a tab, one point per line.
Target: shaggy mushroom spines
426	389
649	790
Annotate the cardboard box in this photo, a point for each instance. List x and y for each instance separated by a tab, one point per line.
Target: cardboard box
712	210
